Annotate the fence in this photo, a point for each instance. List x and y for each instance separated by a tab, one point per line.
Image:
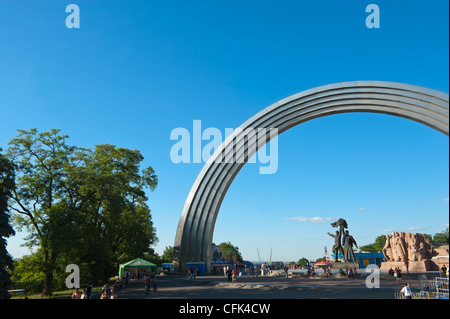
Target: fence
430	288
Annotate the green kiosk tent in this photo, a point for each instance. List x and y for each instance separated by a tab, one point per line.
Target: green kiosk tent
137	263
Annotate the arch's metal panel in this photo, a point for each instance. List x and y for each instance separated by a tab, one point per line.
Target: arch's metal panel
195	229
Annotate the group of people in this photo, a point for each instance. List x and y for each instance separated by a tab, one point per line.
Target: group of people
349	272
192	272
107	292
150	282
246	270
397	273
86	293
231	274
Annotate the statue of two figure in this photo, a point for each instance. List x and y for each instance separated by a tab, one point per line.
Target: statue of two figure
343	241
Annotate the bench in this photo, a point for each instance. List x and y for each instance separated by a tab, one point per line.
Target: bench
16	292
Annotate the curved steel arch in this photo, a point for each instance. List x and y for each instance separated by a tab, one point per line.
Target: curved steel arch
195	229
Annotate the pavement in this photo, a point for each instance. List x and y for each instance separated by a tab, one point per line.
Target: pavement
260	297
250	287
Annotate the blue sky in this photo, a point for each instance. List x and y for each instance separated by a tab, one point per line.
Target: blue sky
136	70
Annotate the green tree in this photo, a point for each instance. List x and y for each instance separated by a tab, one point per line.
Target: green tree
29	272
110	191
167	255
441	238
375	247
227	246
303	262
40	159
6	262
81	205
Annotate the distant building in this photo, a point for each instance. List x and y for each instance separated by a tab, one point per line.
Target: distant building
365	259
167	266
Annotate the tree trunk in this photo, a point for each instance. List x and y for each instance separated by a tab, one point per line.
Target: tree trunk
94	271
48	287
49	265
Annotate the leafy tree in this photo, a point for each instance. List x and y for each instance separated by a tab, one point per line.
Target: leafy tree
303	262
40	159
167	255
81	205
441	238
438	238
227	246
117	224
29	272
375	247
6	262
152	256
429	237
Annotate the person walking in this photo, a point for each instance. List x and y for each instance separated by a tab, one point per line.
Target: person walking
127	278
147	285
153	281
398	275
444	271
229	273
406	291
89	290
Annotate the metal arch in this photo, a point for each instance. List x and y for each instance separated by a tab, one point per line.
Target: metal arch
195	229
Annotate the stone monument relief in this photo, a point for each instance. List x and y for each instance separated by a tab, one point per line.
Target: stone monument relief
402	249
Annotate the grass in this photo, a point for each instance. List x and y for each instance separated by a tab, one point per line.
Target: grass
64	294
60	294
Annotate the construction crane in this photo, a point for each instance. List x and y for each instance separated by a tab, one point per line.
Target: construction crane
262	261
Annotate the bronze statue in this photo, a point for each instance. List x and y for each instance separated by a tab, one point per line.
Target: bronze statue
349	241
337	247
343	241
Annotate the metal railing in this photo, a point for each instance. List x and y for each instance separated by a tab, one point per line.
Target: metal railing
430	288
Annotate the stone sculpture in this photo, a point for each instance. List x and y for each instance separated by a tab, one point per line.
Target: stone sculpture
399	251
413	248
387	249
407	247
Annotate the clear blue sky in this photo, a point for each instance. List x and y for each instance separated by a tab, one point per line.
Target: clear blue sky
136	70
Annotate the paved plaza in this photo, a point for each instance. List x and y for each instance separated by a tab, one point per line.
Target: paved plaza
218	287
